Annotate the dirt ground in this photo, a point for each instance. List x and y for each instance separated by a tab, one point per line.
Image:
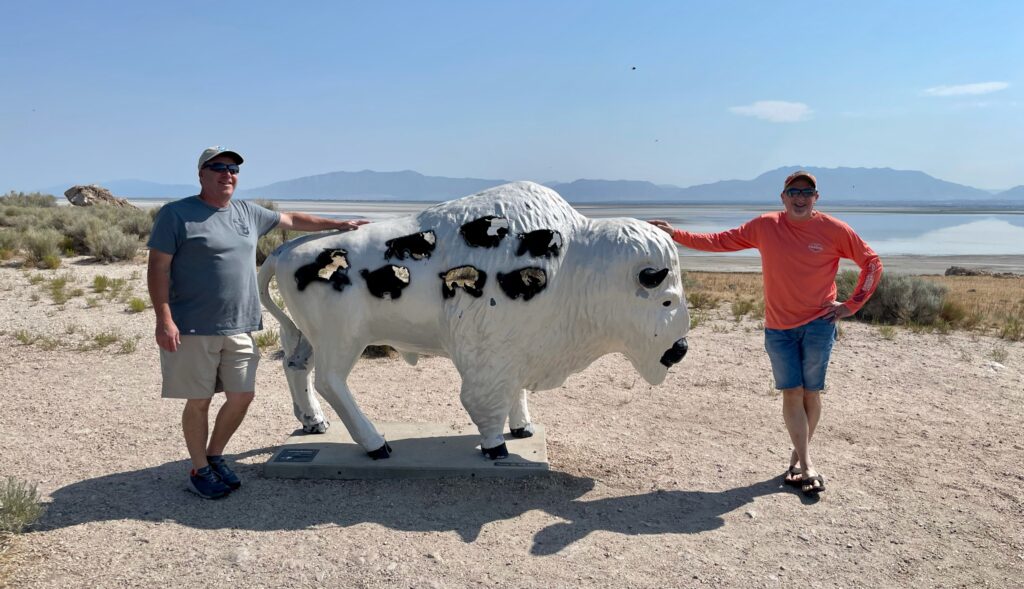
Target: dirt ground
671	486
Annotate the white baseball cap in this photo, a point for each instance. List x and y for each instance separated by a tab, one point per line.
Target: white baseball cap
211	152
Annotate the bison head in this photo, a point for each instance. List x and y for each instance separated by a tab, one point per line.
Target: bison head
653	318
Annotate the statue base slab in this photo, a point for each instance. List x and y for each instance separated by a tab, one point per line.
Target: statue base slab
419	451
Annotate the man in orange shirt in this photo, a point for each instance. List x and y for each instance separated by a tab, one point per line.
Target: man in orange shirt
800	252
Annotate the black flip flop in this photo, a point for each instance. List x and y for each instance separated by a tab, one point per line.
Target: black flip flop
792	472
813	490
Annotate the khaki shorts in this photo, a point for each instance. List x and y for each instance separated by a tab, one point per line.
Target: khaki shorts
207	364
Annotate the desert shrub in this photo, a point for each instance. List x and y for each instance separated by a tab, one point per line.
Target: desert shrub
268	243
701	300
136	305
40	243
10	240
25	337
267	339
741	307
100	283
899	299
1012	329
697	317
110	244
379	352
50	262
265	203
28	199
19	506
135	222
77	230
105	338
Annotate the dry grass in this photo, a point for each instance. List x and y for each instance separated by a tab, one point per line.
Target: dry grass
986	303
994	302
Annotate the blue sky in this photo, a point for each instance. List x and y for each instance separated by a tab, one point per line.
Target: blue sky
536	90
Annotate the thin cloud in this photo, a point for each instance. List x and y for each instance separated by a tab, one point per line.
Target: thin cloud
776	111
967	89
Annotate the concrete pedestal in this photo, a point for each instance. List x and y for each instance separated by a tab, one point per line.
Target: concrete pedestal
419	450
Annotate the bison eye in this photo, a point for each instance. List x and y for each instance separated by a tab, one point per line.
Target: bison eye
650	278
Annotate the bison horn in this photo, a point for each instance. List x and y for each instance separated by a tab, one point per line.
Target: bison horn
650	278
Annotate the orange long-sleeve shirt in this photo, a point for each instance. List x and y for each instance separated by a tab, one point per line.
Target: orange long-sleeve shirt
799	261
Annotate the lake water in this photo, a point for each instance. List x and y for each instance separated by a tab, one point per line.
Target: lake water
905	231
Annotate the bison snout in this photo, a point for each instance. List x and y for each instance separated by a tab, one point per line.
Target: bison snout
675	353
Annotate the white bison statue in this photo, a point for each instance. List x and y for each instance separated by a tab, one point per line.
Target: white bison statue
512	284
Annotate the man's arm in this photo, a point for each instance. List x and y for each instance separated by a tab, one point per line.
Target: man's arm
870	264
732	240
305	222
158	278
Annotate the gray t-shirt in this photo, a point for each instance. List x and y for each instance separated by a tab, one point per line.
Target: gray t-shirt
213	271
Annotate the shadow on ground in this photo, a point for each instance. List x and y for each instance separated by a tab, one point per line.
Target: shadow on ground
463	506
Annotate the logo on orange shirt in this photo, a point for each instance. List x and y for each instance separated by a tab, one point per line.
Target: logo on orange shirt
815	247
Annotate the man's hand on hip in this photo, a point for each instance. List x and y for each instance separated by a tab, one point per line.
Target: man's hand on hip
836	311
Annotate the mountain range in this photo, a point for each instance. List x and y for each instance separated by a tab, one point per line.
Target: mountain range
847	185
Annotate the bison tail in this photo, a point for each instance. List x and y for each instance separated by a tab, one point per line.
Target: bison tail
290	334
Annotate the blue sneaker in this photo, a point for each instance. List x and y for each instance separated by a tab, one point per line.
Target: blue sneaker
228	476
207	484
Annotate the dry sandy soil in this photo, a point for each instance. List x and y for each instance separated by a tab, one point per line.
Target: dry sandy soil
669	486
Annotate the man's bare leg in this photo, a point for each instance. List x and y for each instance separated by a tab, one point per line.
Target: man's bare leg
230	416
812	408
195	425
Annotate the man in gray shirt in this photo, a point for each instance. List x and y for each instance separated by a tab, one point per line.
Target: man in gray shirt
202	281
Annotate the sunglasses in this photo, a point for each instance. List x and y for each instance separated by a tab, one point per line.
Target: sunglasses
219	167
795	192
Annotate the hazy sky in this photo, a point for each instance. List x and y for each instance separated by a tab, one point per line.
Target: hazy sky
672	92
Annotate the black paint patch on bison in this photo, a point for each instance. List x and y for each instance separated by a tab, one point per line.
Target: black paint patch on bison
387	281
485	232
541	243
416	246
524	282
468	278
331	266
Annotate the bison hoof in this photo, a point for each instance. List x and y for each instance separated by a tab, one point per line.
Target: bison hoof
496	452
522	432
319	427
381	453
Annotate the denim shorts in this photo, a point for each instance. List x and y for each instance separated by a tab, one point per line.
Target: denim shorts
800	355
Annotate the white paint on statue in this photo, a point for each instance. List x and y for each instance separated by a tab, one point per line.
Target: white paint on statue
595	287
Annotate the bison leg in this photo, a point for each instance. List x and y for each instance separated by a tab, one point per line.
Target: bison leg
519	417
332	370
488	405
298	363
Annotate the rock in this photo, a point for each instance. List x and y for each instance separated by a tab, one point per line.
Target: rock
238	555
91	195
961	271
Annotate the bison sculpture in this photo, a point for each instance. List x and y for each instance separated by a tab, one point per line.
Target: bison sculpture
591	287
